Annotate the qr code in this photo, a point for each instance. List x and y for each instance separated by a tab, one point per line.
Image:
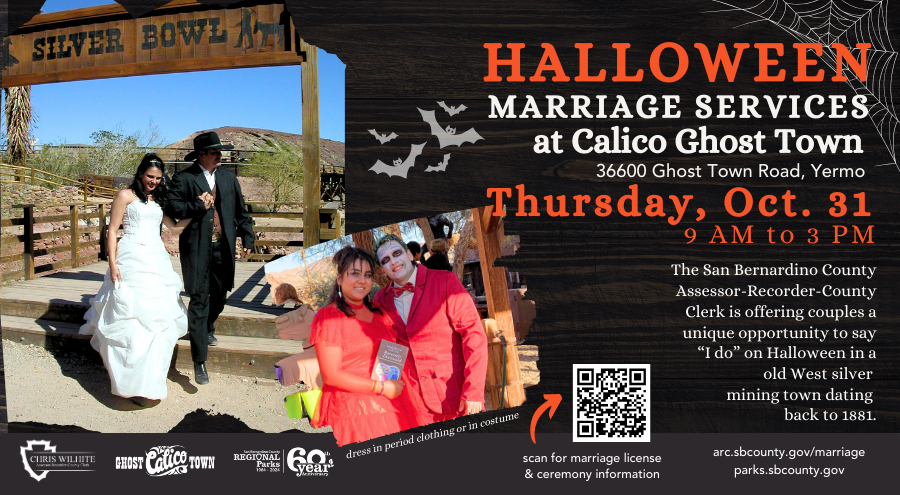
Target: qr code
612	402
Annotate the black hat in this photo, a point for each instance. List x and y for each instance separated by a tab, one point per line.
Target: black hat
206	141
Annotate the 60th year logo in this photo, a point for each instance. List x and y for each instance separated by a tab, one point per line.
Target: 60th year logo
315	463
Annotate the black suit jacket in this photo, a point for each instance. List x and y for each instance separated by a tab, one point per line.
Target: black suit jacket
195	242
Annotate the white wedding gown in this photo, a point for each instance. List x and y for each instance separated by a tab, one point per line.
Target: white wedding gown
135	323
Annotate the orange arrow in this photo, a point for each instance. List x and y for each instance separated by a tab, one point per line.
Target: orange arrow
553	401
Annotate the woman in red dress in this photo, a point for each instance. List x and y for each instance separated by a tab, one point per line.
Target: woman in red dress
347	333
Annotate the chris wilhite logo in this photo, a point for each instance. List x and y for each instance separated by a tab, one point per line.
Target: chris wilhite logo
40	457
166	460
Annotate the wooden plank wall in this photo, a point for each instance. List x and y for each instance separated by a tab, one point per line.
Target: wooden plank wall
603	287
252	36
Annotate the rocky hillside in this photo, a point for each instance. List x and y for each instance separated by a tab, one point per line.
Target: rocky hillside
248	140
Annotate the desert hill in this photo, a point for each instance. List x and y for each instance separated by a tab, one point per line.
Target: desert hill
247	139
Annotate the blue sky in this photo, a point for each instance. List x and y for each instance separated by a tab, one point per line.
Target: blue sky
180	104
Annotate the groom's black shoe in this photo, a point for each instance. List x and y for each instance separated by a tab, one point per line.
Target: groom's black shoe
200	375
213	341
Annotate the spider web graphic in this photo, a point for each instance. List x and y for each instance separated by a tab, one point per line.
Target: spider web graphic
847	22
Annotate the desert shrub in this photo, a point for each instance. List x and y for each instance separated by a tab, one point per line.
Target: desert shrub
59	160
112	153
282	171
117	154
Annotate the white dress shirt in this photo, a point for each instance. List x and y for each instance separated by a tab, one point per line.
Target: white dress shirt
404	301
210	177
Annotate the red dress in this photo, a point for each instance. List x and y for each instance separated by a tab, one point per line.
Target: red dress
356	417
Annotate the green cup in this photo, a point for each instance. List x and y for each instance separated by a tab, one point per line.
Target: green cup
311	400
294	406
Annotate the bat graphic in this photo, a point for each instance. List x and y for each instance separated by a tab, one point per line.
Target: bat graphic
382	138
399	168
448	137
440	167
451	110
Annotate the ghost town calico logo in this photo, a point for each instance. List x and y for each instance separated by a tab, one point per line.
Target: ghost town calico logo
316	463
164	461
39	456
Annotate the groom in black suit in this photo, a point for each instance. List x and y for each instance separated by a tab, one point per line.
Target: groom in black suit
212	198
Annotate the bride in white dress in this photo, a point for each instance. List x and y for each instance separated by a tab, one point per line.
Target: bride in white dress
138	315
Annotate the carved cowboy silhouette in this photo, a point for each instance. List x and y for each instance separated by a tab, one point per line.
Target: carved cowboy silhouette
9	60
246	27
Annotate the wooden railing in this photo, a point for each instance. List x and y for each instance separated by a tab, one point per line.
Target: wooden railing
28	253
15	174
329	226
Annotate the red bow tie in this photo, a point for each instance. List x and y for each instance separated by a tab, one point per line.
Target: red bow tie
398	291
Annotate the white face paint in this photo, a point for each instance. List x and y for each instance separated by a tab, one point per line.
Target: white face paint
396	262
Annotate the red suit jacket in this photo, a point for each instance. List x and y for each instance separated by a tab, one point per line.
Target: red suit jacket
446	340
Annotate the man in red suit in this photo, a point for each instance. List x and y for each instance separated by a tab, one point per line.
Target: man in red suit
437	319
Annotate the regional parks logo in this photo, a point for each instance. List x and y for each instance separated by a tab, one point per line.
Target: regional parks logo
266	461
166	460
316	463
38	456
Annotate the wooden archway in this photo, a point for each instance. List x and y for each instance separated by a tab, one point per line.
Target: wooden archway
181	36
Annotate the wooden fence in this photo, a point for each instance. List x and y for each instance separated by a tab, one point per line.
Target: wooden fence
330	228
329	225
106	187
27	251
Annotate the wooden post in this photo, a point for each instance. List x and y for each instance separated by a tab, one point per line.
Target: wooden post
306	268
309	74
495	288
32	175
497	295
510	393
73	233
459	250
493	380
337	224
104	253
28	251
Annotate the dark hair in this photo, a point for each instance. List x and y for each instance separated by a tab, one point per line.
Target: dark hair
413	247
344	260
160	195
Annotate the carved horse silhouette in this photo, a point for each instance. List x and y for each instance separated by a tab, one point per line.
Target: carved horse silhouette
267	28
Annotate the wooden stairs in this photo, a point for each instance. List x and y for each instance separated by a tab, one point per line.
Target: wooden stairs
49	310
